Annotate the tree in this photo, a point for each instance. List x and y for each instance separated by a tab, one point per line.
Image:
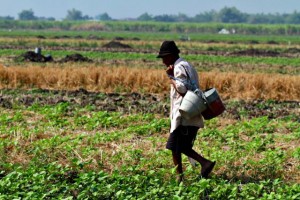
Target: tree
231	15
258	19
182	18
294	18
27	15
206	16
46	18
6	18
164	18
145	17
75	15
103	17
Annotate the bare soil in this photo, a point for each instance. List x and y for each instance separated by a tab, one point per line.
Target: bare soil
256	52
75	58
143	103
31	56
116	44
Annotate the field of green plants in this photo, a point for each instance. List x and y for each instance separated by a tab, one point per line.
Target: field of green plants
54	146
63	144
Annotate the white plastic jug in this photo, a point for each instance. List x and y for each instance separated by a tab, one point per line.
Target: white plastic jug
192	105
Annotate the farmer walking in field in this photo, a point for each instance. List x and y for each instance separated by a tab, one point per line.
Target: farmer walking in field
183	131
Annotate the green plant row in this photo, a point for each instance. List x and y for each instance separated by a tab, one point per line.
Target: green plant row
199	42
60	116
155	36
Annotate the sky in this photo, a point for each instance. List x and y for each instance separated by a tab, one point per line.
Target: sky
122	9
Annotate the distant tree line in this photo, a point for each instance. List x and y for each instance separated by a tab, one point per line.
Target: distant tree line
225	15
184	28
72	15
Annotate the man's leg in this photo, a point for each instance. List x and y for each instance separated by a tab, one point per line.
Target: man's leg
193	154
206	165
178	163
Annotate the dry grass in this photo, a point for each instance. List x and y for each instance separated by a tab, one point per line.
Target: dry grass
123	79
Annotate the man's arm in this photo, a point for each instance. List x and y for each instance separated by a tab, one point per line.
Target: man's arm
179	86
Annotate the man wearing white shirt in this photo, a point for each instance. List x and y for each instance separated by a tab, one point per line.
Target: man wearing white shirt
183	131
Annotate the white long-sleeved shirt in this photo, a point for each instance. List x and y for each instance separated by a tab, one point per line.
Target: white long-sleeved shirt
180	68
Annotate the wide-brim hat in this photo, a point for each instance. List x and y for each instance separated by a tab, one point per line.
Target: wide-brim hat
167	48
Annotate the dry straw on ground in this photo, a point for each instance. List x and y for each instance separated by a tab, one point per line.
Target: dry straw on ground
123	79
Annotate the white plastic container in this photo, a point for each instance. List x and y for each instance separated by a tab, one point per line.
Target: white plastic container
192	105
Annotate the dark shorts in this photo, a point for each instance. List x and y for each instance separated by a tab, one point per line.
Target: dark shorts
182	138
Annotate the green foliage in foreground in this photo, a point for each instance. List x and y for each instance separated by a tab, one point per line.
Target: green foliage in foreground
67	152
53	181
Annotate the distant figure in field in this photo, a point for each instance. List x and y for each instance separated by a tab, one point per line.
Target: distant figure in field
183	131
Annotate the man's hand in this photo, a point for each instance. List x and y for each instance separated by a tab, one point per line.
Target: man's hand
170	70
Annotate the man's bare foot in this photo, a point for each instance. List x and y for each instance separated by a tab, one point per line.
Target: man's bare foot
206	169
179	179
